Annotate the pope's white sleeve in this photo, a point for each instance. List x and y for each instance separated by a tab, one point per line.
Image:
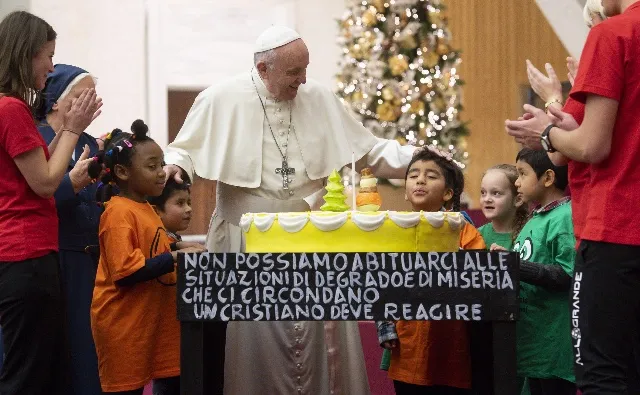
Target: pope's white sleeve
388	159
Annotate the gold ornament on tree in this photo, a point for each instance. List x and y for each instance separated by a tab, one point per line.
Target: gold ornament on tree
370	18
417	107
379	4
408	42
388	94
430	59
358	53
387	112
438	104
462	143
443	49
398	65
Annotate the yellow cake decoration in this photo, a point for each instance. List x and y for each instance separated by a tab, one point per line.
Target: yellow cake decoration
368	198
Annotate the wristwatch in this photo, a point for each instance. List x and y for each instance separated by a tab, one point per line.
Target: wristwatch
545	141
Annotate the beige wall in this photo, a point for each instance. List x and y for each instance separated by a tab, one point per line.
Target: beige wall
496	36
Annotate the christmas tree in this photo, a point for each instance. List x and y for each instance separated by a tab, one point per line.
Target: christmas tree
399	72
334	200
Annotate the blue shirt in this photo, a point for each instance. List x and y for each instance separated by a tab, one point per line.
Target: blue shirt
78	213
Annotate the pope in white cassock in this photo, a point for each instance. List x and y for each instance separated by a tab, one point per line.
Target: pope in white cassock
270	138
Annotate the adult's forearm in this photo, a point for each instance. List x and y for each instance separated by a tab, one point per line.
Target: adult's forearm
389	159
59	161
54	143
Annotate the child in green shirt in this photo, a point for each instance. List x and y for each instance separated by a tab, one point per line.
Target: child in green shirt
507	213
546	246
502	206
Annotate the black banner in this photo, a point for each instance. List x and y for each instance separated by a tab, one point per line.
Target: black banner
425	286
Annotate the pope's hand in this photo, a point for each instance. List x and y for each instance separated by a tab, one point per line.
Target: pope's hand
433	149
173	171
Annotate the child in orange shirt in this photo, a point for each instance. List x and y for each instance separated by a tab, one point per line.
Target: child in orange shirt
133	313
432	357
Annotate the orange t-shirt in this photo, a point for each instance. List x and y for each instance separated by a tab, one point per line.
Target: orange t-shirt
436	353
136	333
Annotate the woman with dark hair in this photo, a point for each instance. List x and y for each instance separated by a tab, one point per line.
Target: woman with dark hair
78	231
31	300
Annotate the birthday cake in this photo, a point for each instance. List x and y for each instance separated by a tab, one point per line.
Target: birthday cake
337	230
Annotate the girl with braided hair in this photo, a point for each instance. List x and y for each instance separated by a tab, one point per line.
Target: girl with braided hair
432	357
134	300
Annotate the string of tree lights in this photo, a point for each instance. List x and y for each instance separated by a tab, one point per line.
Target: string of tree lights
399	73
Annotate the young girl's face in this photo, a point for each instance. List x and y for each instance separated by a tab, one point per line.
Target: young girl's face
496	196
176	214
425	187
145	176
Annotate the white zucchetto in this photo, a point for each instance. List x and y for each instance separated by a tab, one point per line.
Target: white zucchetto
274	37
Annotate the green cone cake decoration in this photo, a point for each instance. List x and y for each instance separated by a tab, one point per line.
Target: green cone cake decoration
334	200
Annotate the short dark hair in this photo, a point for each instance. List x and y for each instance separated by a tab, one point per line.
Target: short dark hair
453	177
22	35
540	163
170	188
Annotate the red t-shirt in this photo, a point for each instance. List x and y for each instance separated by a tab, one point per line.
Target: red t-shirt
28	223
610	67
578	174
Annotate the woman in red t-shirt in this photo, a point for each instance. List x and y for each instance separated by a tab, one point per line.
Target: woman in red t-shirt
549	89
31	309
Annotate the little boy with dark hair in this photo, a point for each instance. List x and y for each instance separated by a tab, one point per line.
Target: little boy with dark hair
547	251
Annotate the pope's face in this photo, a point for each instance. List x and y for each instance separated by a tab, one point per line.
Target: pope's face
288	70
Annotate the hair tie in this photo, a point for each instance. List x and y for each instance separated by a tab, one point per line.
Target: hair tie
119	147
108	136
107	170
127	143
95	158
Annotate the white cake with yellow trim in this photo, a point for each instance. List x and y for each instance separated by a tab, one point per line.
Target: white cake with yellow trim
352	231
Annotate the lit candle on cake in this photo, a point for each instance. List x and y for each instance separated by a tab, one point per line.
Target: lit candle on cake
353	181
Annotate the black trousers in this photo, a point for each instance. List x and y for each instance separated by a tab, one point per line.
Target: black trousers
33	328
605	306
551	387
166	386
402	388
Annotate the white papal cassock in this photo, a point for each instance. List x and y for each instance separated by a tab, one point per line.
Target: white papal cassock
226	138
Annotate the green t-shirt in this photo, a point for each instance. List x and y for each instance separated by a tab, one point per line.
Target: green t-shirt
490	236
544	329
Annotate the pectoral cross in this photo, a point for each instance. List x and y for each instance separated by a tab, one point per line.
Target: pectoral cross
284	171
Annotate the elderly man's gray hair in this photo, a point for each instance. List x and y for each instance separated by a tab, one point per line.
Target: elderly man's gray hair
268	57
